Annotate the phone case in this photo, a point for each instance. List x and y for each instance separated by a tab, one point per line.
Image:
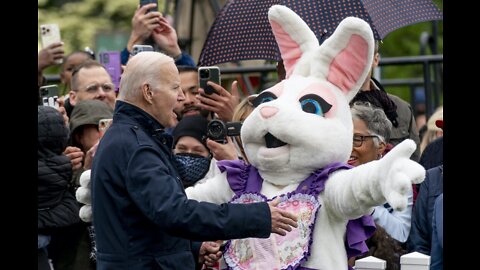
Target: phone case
206	74
50	33
104	124
48	95
111	61
141	48
144	2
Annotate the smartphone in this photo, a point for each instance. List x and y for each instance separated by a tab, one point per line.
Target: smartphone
144	2
141	48
111	61
48	95
206	74
103	125
50	33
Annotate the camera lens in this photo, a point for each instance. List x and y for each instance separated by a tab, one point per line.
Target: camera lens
204	73
216	130
106	58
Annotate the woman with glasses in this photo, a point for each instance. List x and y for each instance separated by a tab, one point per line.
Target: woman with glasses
371	132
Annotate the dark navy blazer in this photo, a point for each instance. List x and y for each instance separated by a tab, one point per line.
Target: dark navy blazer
141	215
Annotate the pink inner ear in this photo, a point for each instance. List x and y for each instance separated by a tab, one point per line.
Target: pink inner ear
348	65
289	49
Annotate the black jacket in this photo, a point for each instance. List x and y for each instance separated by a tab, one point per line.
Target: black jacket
57	207
420	237
141	215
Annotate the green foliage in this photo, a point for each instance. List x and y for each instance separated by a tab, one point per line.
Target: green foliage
406	42
80	20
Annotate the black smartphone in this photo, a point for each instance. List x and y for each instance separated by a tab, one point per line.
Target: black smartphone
48	95
144	2
206	74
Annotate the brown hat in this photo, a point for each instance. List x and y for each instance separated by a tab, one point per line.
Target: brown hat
89	112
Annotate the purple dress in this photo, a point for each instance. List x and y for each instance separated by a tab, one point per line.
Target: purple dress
290	251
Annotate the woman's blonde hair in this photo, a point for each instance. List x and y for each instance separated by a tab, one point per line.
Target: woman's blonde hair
433	131
242	111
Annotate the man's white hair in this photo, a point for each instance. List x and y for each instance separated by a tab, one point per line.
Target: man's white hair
145	67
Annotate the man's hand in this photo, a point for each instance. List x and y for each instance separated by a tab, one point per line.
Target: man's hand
87	165
166	38
47	56
210	253
75	155
143	24
222	151
282	221
223	103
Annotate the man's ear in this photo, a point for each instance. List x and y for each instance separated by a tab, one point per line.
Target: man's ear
147	93
62	77
376	60
72	97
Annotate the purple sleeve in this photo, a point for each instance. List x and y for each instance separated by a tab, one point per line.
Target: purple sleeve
359	230
237	174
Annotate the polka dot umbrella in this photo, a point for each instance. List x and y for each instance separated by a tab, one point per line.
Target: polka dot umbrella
241	30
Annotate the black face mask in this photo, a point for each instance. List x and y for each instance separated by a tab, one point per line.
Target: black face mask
191	167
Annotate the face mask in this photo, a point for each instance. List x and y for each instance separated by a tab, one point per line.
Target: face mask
191	167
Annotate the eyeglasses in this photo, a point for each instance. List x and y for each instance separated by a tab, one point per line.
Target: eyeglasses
358	139
93	88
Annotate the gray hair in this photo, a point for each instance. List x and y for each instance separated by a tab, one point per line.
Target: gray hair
144	67
375	119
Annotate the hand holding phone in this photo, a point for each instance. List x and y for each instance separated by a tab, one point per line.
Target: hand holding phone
206	74
140	48
111	62
50	33
144	2
48	95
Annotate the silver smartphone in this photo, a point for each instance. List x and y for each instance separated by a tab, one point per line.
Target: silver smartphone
50	33
141	48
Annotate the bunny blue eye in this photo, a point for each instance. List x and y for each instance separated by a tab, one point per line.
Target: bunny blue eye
314	104
262	98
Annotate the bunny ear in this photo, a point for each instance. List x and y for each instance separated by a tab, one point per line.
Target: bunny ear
346	57
293	36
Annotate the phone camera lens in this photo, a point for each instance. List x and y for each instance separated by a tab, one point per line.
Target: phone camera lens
204	73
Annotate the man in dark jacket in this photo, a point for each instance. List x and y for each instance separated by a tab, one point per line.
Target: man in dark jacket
420	238
141	215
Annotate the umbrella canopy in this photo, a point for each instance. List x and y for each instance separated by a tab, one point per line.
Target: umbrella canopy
241	30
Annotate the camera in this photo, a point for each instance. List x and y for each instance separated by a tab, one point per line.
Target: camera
218	130
204	73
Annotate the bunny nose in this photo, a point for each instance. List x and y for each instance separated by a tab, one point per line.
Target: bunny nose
268	111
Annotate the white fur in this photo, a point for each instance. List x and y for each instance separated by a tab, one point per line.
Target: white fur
86	213
85	178
84	195
314	141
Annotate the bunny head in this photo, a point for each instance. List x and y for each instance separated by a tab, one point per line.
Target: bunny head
303	123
